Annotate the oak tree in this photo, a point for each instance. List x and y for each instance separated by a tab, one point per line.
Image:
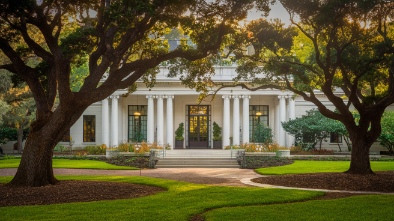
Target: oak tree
122	40
342	48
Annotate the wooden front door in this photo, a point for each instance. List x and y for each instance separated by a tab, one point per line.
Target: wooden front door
198	130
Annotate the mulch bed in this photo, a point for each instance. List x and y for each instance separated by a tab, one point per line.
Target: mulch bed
378	182
72	191
85	191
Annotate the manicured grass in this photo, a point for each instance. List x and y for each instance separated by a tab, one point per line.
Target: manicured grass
71	164
180	202
378	207
306	166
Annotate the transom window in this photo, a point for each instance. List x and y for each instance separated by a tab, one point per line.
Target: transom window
257	114
137	123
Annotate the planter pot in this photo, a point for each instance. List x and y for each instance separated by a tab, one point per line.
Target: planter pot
283	153
217	144
110	154
179	144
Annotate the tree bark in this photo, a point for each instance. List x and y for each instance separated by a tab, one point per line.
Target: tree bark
35	168
20	139
359	163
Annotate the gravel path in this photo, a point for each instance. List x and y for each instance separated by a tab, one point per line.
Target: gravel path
214	176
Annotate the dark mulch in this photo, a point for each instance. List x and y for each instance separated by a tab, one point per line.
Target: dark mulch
379	182
85	191
72	191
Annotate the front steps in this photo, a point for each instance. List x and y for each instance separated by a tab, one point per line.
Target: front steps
207	158
197	163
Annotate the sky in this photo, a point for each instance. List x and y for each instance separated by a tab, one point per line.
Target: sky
277	11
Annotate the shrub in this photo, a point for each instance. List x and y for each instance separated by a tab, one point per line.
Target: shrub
96	150
217	132
126	147
179	132
262	134
142	148
138	161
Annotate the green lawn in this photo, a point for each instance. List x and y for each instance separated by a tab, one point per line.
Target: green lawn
70	164
183	200
378	207
180	202
306	166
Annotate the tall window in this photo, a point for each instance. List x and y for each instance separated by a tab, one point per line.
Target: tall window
257	114
137	123
89	128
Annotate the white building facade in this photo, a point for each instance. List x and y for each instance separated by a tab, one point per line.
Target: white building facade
153	115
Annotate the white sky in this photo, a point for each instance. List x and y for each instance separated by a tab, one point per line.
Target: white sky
277	11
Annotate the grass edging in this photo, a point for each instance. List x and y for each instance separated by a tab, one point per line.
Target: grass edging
308	166
181	201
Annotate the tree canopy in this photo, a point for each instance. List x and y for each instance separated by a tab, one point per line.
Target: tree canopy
119	40
386	138
342	48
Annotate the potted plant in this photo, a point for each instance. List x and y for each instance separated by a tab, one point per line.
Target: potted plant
217	136
179	136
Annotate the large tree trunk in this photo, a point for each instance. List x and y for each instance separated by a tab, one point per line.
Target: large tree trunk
20	139
35	168
359	163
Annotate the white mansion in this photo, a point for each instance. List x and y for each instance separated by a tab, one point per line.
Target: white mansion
153	115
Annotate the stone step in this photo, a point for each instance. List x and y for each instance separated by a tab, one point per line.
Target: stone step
198	154
199	163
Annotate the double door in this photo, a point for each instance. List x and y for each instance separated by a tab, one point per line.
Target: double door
198	126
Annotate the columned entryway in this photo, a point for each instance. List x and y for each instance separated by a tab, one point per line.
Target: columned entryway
154	120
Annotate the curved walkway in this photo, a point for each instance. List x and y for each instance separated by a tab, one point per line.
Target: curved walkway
212	176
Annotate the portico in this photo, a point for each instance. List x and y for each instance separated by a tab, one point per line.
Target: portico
160	113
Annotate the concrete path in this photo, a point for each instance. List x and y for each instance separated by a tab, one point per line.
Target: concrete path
214	176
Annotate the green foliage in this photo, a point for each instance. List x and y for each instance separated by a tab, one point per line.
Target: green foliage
311	166
386	138
350	208
126	147
74	163
179	132
254	162
7	134
96	150
136	161
343	49
179	202
217	132
262	134
312	128
10	134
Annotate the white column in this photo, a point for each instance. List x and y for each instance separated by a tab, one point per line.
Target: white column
151	120
282	118
160	120
277	121
105	122
114	121
236	120
290	138
170	121
226	120
245	119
